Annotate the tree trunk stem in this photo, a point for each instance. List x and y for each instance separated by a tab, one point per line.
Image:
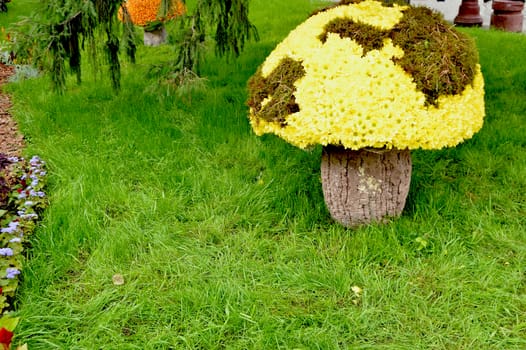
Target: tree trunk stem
365	185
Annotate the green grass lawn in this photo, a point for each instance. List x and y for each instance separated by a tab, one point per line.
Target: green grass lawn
223	238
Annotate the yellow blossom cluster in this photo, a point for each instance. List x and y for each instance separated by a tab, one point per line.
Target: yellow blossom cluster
362	100
143	12
305	37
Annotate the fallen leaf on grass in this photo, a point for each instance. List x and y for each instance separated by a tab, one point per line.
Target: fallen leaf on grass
357	291
118	279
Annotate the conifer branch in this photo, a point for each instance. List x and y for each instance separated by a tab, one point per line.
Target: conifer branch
53	38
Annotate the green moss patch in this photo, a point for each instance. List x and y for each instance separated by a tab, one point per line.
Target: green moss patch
441	60
368	36
279	86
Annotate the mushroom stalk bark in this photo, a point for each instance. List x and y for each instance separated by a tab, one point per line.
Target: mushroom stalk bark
365	185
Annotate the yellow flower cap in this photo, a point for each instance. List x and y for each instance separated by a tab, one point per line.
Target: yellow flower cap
367	74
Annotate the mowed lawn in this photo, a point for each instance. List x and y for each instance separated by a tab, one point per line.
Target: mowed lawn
223	238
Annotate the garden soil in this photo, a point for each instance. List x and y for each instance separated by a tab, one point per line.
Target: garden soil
11	141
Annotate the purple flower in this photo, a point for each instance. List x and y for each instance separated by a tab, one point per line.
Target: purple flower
29	204
15	240
29	216
35	160
34	193
12	227
6	251
11	272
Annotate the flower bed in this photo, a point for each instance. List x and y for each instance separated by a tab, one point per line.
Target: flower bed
22	200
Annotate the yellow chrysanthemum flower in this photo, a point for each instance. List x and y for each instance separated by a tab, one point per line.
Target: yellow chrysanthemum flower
357	96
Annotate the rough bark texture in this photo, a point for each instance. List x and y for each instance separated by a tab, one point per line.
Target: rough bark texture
366	185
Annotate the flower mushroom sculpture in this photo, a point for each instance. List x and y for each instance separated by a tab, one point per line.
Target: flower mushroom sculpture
146	13
369	82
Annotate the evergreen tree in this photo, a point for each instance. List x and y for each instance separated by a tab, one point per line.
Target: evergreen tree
56	35
227	18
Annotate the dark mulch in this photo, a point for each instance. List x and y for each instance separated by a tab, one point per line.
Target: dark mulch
11	141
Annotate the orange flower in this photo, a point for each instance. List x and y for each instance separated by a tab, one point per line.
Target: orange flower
143	12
